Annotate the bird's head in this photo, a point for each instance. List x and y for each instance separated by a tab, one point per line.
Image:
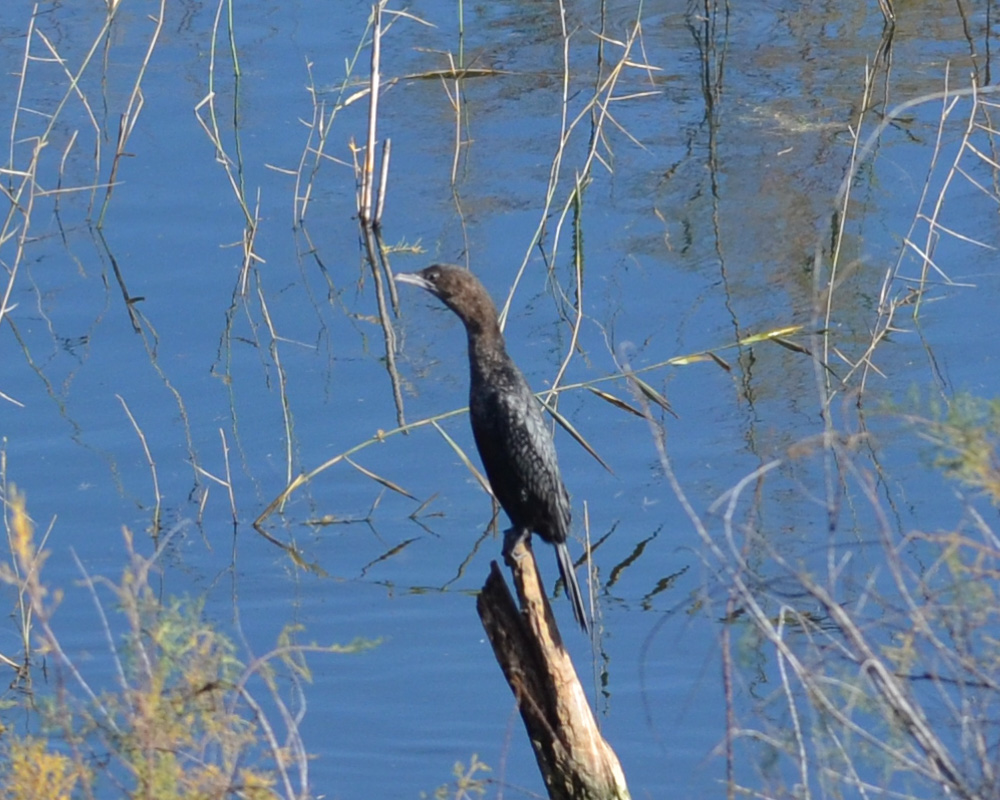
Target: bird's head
458	289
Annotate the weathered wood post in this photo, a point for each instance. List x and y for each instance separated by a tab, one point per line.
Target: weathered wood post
575	761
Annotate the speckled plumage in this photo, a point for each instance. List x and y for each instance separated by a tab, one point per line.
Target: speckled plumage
507	423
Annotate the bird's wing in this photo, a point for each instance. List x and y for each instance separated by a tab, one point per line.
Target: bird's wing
520	461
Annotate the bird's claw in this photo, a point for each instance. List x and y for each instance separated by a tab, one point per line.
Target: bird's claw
512	537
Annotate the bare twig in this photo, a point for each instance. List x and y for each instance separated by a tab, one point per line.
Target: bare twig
150	462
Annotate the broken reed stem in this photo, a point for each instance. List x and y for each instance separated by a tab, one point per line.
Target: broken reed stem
150	461
368	165
382	183
370	221
229	477
456	102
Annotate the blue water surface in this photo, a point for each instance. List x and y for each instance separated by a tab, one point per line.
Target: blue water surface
699	225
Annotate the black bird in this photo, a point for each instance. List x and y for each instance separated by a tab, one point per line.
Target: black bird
512	438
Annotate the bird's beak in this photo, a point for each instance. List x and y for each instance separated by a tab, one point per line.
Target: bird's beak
414	279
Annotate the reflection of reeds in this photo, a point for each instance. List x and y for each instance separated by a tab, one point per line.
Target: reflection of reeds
29	181
370	211
233	165
23	184
155	531
596	109
900	289
314	153
877	644
133	108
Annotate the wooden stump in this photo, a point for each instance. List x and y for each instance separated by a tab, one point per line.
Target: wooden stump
575	761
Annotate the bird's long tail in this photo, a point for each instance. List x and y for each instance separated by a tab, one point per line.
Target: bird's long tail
572	587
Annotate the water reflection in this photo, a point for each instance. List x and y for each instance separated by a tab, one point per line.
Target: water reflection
195	318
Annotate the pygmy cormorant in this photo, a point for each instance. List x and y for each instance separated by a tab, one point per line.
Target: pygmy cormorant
513	440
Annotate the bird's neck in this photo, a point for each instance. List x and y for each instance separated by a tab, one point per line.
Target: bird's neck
487	350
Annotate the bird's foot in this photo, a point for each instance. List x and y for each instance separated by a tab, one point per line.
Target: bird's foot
512	537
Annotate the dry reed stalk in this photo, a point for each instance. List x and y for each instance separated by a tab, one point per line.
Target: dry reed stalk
229	477
578	284
879	690
890	299
286	407
226	483
23	185
233	166
320	127
301	480
370	219
365	204
382	187
150	462
133	108
601	100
